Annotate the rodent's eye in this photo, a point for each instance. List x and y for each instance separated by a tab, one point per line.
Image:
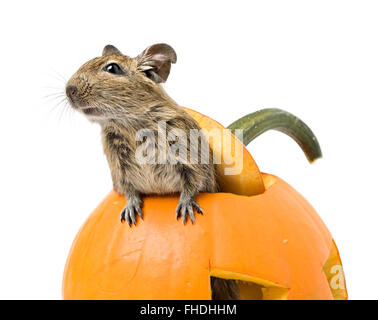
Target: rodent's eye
113	68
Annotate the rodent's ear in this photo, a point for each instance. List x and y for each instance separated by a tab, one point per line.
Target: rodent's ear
109	49
156	61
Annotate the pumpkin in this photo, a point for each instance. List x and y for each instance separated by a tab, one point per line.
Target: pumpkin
272	243
249	181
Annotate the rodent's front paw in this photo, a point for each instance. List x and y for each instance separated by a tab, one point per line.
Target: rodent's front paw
128	213
186	207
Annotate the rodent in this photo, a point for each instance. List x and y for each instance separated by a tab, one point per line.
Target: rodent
124	95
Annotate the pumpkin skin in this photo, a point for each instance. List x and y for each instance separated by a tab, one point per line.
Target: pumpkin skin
274	240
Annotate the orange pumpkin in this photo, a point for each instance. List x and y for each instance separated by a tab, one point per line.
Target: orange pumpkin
273	243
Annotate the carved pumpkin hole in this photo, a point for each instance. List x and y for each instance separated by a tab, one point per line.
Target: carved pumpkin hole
333	270
250	290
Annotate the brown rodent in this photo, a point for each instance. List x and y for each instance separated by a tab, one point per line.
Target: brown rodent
124	96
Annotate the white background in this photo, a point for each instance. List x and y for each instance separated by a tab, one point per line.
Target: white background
316	59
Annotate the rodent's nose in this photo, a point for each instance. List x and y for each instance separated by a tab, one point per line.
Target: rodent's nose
71	91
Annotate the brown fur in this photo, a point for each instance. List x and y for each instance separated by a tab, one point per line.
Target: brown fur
123	104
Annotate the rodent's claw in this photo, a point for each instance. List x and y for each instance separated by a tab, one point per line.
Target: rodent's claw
191	213
183	213
128	214
139	212
123	216
197	207
184	208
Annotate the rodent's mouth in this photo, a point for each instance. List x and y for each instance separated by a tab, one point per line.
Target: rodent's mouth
91	111
87	110
75	103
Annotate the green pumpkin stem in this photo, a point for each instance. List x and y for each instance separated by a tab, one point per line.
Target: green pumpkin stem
263	120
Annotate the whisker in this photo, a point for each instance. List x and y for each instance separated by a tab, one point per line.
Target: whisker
54	100
60	88
55	94
59	104
58	76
